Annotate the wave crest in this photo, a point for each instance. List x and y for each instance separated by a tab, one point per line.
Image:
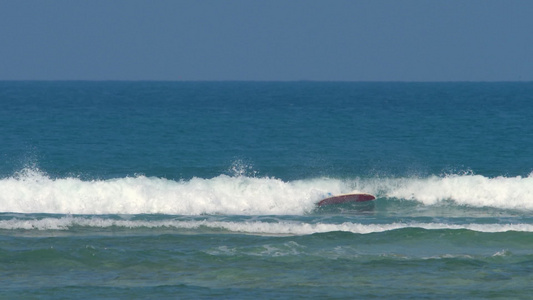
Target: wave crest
32	191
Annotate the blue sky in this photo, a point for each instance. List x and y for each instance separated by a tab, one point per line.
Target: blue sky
374	40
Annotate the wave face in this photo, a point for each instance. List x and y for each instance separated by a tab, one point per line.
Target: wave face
32	191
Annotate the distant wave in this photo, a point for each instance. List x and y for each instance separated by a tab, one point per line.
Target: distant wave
32	191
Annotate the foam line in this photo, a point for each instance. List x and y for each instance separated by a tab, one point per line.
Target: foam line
249	227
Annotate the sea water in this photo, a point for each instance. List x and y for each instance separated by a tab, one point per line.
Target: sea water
209	190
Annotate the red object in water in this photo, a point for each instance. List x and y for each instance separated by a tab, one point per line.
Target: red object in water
346	198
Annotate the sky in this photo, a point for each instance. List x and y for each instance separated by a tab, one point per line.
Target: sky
289	40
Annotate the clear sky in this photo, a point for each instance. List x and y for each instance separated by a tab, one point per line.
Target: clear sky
355	40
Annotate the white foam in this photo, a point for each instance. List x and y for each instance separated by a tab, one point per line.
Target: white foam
472	190
34	192
31	191
248	227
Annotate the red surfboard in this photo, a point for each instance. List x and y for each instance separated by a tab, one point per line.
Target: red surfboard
346	198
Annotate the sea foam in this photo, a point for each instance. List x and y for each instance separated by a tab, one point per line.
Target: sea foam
248	227
472	190
32	191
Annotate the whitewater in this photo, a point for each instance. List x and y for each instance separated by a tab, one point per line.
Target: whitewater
280	227
32	191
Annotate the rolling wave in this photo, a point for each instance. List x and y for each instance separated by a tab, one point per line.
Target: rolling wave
32	191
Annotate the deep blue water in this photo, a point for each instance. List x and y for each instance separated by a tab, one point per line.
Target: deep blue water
208	189
286	130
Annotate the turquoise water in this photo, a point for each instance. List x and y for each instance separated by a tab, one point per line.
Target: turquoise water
209	190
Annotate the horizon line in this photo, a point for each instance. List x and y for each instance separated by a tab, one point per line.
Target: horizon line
265	81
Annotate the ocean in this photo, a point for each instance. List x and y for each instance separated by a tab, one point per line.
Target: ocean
165	190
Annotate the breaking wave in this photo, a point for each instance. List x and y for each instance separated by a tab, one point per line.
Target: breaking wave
32	191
